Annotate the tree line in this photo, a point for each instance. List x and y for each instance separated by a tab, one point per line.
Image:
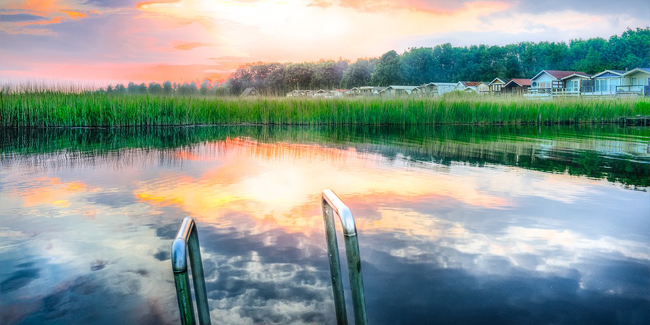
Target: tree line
416	66
447	63
206	87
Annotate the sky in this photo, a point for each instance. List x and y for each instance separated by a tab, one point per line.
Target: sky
108	41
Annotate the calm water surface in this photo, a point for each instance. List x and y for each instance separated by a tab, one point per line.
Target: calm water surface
462	225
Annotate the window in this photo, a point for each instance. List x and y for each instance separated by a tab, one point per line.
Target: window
573	85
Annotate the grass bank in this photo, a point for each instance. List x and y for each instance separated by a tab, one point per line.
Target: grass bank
58	109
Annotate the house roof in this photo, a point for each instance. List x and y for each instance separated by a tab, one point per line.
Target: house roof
520	82
249	91
586	76
407	88
616	72
646	70
441	84
558	74
470	83
503	81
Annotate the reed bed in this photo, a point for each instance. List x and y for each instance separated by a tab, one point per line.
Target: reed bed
62	109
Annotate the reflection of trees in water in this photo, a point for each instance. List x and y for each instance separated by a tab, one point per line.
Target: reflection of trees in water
617	154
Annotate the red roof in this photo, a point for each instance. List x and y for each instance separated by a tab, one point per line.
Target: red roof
521	82
470	83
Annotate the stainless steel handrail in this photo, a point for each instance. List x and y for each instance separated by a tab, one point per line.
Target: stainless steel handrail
186	240
332	204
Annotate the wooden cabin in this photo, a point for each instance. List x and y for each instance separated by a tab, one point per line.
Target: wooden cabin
516	86
496	85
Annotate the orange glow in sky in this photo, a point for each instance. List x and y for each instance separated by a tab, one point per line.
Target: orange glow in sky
185	40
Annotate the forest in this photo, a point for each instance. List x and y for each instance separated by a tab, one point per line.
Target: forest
447	63
416	66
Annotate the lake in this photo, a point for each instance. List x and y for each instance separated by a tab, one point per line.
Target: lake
462	225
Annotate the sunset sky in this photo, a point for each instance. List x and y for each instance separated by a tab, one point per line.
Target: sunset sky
182	40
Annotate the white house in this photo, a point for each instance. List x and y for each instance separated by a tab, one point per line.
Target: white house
443	87
467	86
605	83
428	90
320	93
397	91
483	88
547	81
370	91
635	81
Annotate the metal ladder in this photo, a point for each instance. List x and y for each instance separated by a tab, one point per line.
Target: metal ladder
187	239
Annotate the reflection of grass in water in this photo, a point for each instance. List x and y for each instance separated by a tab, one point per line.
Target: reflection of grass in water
48	108
574	150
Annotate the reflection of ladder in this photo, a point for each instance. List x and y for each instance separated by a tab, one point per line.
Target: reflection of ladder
187	241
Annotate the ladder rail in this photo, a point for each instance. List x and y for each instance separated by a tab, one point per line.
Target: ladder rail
187	243
332	204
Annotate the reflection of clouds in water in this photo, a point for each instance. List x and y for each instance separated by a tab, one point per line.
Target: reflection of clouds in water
537	184
449	286
93	262
457	244
267	276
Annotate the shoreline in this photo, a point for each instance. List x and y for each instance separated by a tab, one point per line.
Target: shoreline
95	110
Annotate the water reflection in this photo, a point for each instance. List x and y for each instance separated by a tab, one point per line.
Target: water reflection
457	225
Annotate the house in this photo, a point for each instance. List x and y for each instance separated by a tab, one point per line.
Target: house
444	87
573	83
320	93
483	88
550	81
397	91
635	81
496	85
428	90
516	86
337	93
467	86
604	83
368	91
250	92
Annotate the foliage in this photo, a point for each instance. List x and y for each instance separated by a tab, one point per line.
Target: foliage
38	109
446	63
